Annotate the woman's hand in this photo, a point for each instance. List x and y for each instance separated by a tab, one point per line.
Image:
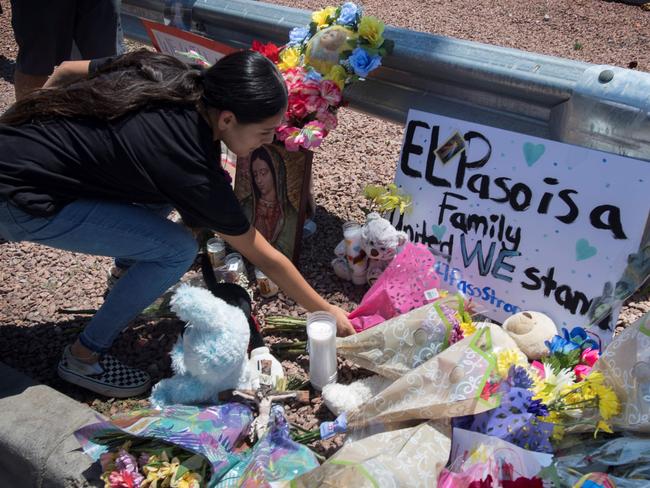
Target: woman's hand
343	326
282	271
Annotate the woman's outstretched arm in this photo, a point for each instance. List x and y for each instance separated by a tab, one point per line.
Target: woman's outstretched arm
67	72
281	270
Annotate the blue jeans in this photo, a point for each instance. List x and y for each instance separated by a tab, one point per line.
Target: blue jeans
157	252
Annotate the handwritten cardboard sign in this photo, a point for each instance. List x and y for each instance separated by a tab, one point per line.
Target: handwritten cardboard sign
523	223
171	40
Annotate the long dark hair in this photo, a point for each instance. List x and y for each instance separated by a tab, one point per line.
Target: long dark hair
245	83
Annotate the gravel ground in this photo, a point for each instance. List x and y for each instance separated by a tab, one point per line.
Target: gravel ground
35	281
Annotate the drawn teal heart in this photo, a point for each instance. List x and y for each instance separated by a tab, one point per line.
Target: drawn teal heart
584	250
532	152
438	231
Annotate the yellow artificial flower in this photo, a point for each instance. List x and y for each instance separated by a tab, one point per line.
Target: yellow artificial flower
162	471
468	328
188	480
289	58
608	404
373	192
480	454
558	432
553	417
604	426
320	16
338	75
371	29
507	358
595	377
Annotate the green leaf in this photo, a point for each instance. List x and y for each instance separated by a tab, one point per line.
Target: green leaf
182	469
194	463
550	473
561	360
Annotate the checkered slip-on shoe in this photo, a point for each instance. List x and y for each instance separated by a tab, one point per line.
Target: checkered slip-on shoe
108	377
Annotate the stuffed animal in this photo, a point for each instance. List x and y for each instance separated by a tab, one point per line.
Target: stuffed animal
530	330
366	251
347	398
381	242
211	356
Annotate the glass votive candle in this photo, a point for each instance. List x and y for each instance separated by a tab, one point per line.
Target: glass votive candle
216	248
266	286
321	337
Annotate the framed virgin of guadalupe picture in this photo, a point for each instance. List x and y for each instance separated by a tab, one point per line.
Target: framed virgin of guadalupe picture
272	185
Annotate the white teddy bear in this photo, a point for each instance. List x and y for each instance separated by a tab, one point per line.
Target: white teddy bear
366	251
211	356
381	242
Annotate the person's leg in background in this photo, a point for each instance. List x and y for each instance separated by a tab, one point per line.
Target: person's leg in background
160	250
95	28
43	32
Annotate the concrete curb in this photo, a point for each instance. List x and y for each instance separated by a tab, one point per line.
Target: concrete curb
37	448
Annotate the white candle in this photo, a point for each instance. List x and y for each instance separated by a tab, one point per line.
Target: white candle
321	333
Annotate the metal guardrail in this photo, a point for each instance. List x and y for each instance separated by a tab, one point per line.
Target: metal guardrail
600	107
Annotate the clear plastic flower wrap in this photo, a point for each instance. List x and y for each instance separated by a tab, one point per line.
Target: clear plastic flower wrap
409	457
450	384
395	347
625	364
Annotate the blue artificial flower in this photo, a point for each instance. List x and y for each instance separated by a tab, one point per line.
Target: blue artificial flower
518	377
313	75
561	345
349	14
363	63
579	336
298	35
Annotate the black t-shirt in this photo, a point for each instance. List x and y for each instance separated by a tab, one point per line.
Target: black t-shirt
157	155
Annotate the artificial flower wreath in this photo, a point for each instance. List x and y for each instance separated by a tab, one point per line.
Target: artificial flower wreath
338	47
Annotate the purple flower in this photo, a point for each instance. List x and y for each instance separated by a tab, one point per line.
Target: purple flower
298	35
518	377
537	408
144	459
513	422
363	63
349	13
126	462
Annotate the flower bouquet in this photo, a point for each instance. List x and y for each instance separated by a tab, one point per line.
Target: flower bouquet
478	461
450	384
395	347
178	446
338	47
191	447
540	401
406	457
